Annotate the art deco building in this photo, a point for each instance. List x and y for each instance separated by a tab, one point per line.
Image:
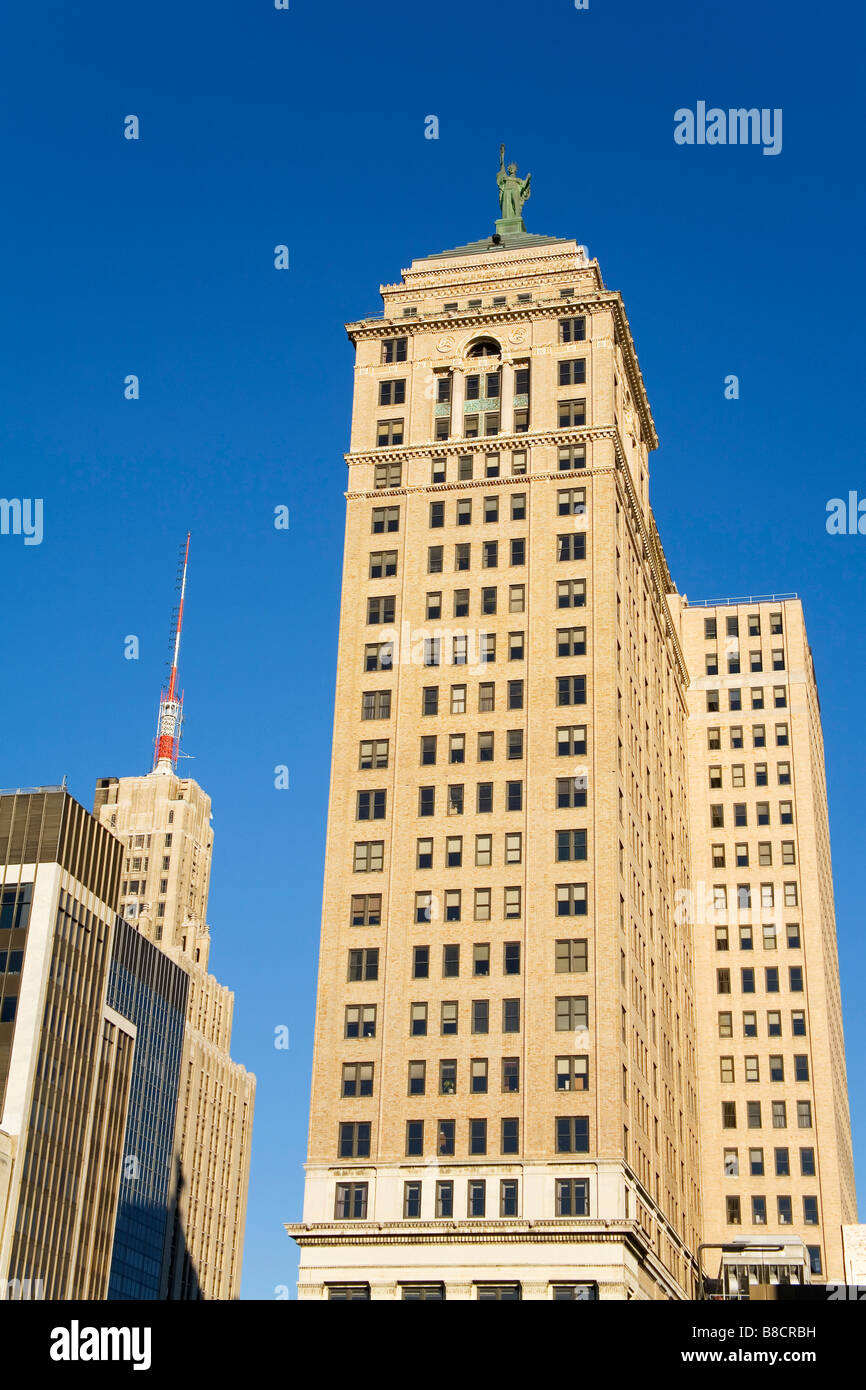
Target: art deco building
504	1086
164	822
775	1129
513	986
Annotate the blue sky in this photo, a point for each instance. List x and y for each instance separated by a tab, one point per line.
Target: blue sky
155	257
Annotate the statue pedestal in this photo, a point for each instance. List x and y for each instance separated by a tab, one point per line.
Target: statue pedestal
504	225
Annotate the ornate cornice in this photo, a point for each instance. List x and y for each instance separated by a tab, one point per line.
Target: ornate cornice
570	475
472	318
565	1232
489	444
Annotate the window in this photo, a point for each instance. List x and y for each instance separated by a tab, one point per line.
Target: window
512	909
511	1015
571	900
448	1018
371	805
357	1079
784	1214
383	563
363	964
571	690
350	1205
414	1138
508	1188
484	798
514	847
369	856
477	1141
445	1138
480	1015
354	1140
570	414
426	801
571	956
420	962
510	1141
435	560
385	519
478	1075
366	910
412	1212
571	593
372	753
483	850
572	1011
376	704
571	741
450	962
418	1020
444	1199
510	1074
729	1114
572	1134
394	349
380	610
572	330
447	1079
572	1197
572	1073
360	1021
571	791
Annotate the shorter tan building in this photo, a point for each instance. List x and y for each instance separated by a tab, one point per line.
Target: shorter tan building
775	1129
164	822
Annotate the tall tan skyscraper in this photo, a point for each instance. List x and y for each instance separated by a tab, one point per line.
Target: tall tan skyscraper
504	1086
165	823
775	1129
515	984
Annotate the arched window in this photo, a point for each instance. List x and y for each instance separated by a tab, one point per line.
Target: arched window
485	347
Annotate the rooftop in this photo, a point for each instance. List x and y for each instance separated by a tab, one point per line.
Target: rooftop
508	241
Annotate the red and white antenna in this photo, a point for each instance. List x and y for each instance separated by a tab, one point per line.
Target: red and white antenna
170	719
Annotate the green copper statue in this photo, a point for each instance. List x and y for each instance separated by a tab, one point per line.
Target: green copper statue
513	193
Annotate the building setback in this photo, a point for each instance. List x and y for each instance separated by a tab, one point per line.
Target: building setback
513	990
